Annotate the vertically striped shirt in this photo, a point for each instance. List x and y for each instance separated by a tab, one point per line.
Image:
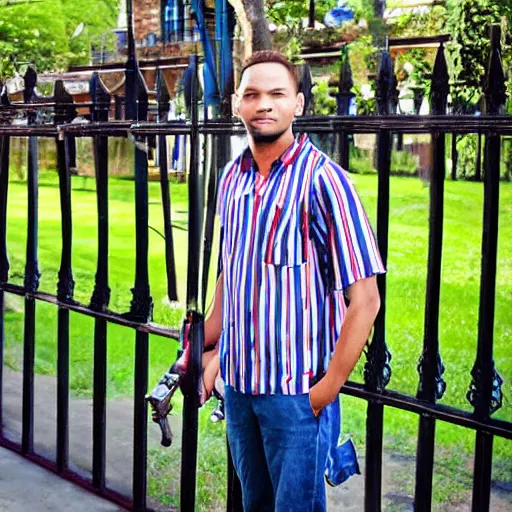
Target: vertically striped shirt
292	243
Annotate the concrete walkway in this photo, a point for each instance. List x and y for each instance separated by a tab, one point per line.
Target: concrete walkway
25	486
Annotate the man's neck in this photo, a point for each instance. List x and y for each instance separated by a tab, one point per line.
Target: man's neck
265	154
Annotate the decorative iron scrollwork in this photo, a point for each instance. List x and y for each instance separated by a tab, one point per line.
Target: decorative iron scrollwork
476	394
438	381
377	370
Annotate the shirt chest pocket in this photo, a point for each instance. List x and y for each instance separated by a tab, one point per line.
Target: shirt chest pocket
286	243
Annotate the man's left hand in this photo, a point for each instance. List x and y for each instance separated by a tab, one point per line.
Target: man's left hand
323	393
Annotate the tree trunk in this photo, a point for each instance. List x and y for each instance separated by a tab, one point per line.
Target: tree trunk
254	24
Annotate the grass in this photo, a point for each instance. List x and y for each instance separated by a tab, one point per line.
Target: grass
407	266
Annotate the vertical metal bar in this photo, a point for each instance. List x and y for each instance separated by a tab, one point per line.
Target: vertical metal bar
234	494
4	261
343	99
66	284
4	185
31	279
27	432
311	14
191	417
455	156
64	112
482	472
478	166
170	265
131	68
485	391
101	294
140	423
191	400
118	108
99	404
2	341
32	273
195	193
377	371
430	367
211	206
141	308
62	390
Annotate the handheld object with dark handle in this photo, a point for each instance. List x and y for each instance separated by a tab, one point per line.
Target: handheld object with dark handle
160	401
160	397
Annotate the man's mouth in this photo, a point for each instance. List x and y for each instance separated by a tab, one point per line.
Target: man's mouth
263	120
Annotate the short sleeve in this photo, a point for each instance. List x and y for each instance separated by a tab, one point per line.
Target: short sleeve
341	224
222	184
225	177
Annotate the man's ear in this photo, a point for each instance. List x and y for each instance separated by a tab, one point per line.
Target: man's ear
299	108
235	104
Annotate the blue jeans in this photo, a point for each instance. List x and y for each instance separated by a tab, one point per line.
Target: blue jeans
278	451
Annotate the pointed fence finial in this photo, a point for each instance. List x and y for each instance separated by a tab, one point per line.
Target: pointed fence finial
30	80
386	90
162	95
100	99
495	90
440	84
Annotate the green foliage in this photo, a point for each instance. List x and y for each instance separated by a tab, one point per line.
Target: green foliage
414	66
40	33
469	48
293	11
323	103
99	17
33	33
413	23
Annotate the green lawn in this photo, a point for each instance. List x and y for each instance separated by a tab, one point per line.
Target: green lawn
407	265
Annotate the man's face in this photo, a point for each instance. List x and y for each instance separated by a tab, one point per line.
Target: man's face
267	101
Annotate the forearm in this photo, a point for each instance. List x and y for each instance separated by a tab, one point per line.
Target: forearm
354	334
213	324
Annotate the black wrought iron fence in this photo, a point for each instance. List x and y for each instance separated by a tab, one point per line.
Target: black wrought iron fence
484	387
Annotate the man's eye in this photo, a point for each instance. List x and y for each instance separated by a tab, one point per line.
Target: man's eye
249	95
277	94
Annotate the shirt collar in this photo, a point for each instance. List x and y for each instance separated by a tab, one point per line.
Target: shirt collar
287	158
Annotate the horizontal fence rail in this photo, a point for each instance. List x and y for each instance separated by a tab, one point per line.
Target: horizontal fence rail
460	124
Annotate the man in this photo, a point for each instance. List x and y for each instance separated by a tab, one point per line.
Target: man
296	243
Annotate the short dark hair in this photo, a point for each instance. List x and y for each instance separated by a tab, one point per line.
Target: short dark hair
267	56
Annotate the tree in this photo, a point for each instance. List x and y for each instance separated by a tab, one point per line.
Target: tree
254	24
254	15
40	33
469	48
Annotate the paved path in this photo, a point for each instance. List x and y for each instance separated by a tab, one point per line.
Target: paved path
48	492
27	487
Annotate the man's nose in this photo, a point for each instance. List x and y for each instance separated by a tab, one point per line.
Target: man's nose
264	105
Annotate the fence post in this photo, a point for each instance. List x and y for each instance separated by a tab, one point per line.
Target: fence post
377	370
4	260
101	294
430	367
455	156
170	265
64	113
195	223
136	108
343	99
32	274
485	393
